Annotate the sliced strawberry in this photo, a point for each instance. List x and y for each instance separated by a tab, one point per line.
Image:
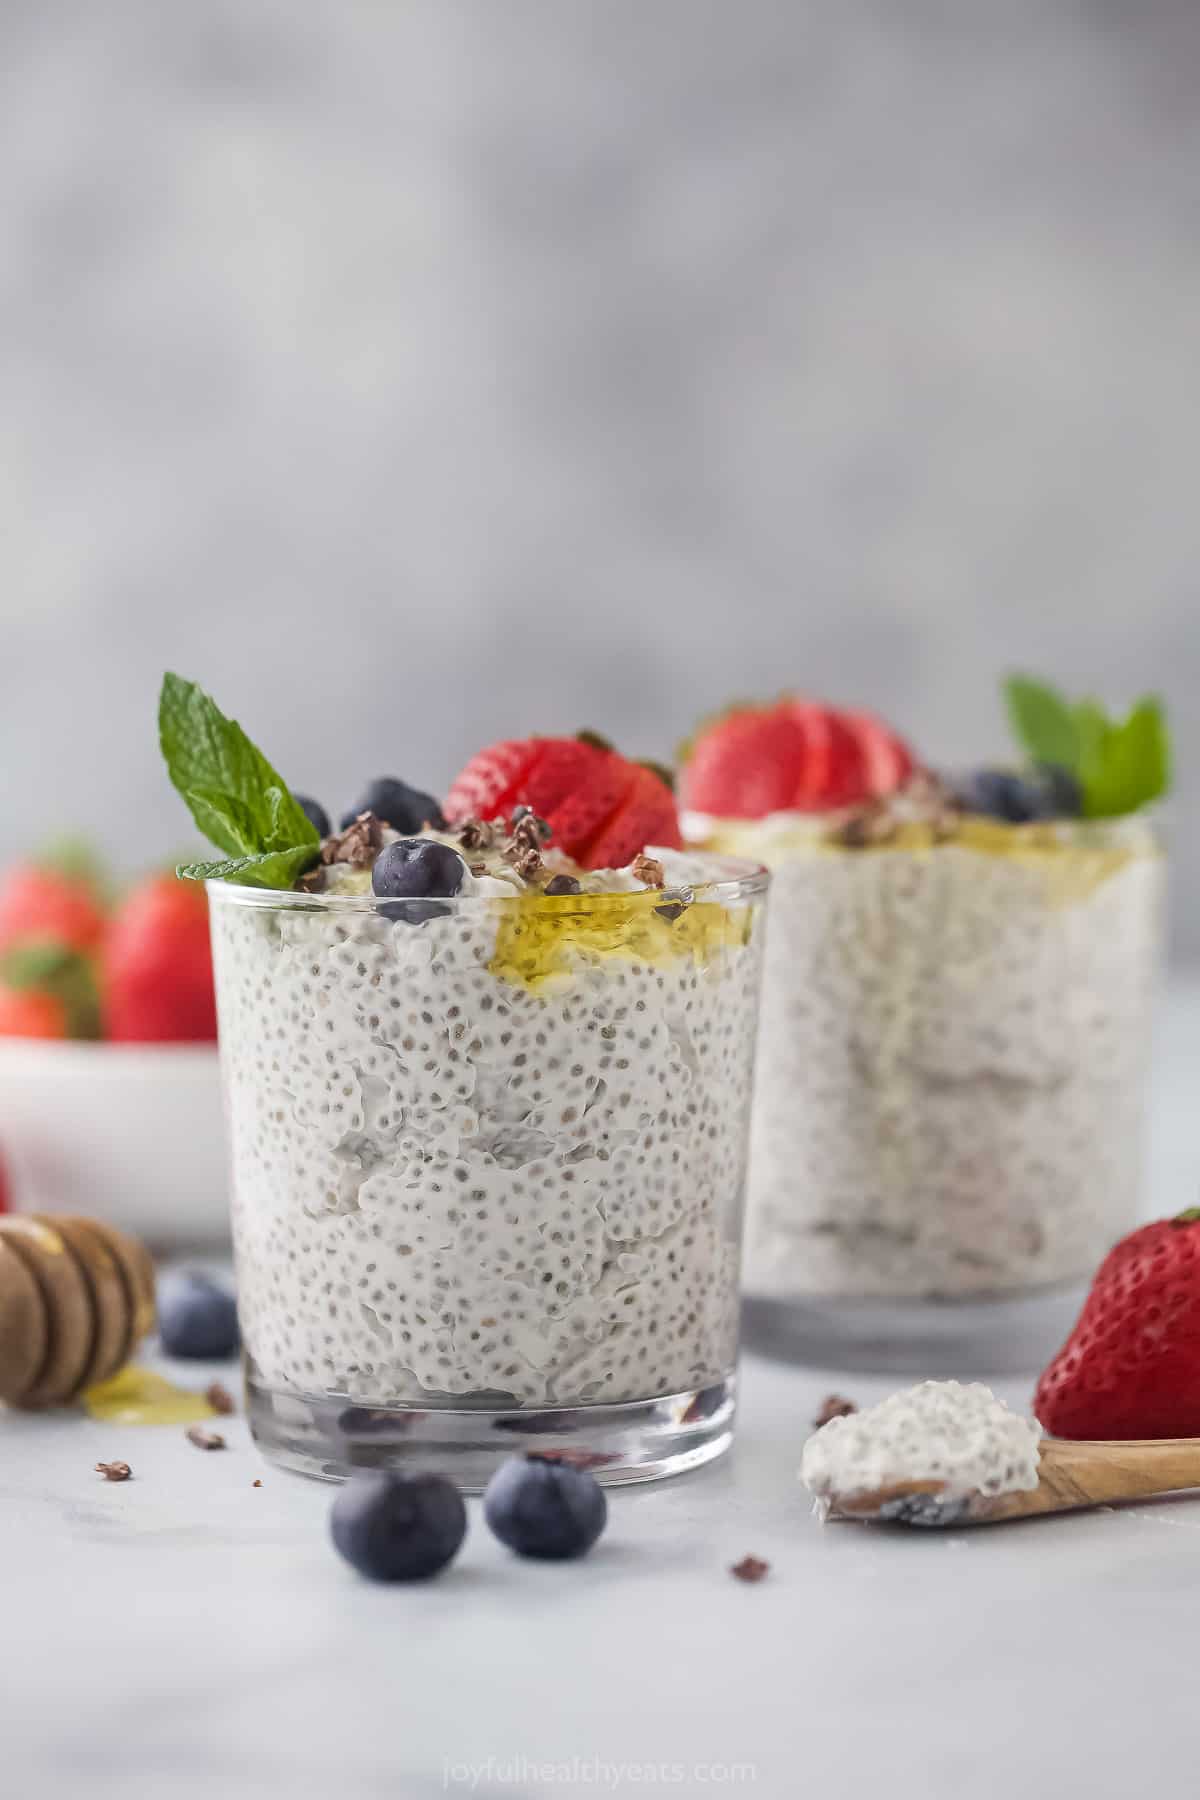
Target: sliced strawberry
42	902
831	773
31	1013
576	784
887	760
648	816
793	756
744	765
489	785
157	966
593	799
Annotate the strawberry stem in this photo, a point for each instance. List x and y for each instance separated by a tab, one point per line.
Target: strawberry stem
1190	1217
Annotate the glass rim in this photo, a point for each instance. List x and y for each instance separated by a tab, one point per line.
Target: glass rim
734	880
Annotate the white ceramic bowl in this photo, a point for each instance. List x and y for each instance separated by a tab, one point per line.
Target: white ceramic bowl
132	1133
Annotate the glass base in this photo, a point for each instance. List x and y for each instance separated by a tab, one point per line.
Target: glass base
1006	1335
332	1437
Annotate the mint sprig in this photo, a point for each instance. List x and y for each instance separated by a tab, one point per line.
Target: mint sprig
232	792
1120	764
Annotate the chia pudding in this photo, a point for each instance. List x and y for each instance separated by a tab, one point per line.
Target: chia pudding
952	1057
960	1437
489	1153
953	1045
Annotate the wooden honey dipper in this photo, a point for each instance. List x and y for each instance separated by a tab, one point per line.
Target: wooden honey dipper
76	1298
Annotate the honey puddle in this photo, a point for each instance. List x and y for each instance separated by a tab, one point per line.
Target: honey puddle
540	941
140	1397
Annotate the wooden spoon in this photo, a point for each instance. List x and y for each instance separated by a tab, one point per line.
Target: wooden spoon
1070	1475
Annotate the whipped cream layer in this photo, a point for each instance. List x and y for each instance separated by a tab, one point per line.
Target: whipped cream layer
497	1156
952	1054
939	1431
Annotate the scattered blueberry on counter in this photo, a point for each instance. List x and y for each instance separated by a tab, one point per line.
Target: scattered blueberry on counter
196	1316
394	1527
544	1508
402	807
314	812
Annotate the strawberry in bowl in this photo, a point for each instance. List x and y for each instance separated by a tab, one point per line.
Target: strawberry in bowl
108	1064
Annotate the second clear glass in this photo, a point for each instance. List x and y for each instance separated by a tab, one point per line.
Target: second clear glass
951	1079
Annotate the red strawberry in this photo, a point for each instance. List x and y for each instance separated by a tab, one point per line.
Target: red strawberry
888	759
744	766
487	787
647	816
601	808
1131	1367
832	771
31	1013
792	756
157	966
43	902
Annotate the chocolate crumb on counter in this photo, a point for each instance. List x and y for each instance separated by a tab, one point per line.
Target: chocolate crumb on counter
648	870
751	1568
114	1471
219	1398
203	1438
358	845
833	1406
256	1484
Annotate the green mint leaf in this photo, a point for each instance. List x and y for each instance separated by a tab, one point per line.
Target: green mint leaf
1129	764
1042	721
233	793
1093	728
270	869
1120	765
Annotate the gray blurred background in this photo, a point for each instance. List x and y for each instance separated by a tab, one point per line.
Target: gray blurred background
417	373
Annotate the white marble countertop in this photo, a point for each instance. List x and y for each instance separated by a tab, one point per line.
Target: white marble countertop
185	1633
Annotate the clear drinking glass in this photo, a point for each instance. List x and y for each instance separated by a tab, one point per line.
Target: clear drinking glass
488	1169
951	1074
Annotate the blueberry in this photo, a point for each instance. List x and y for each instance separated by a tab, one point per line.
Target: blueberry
541	1507
196	1317
413	871
1003	794
402	807
314	812
1062	791
396	1527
